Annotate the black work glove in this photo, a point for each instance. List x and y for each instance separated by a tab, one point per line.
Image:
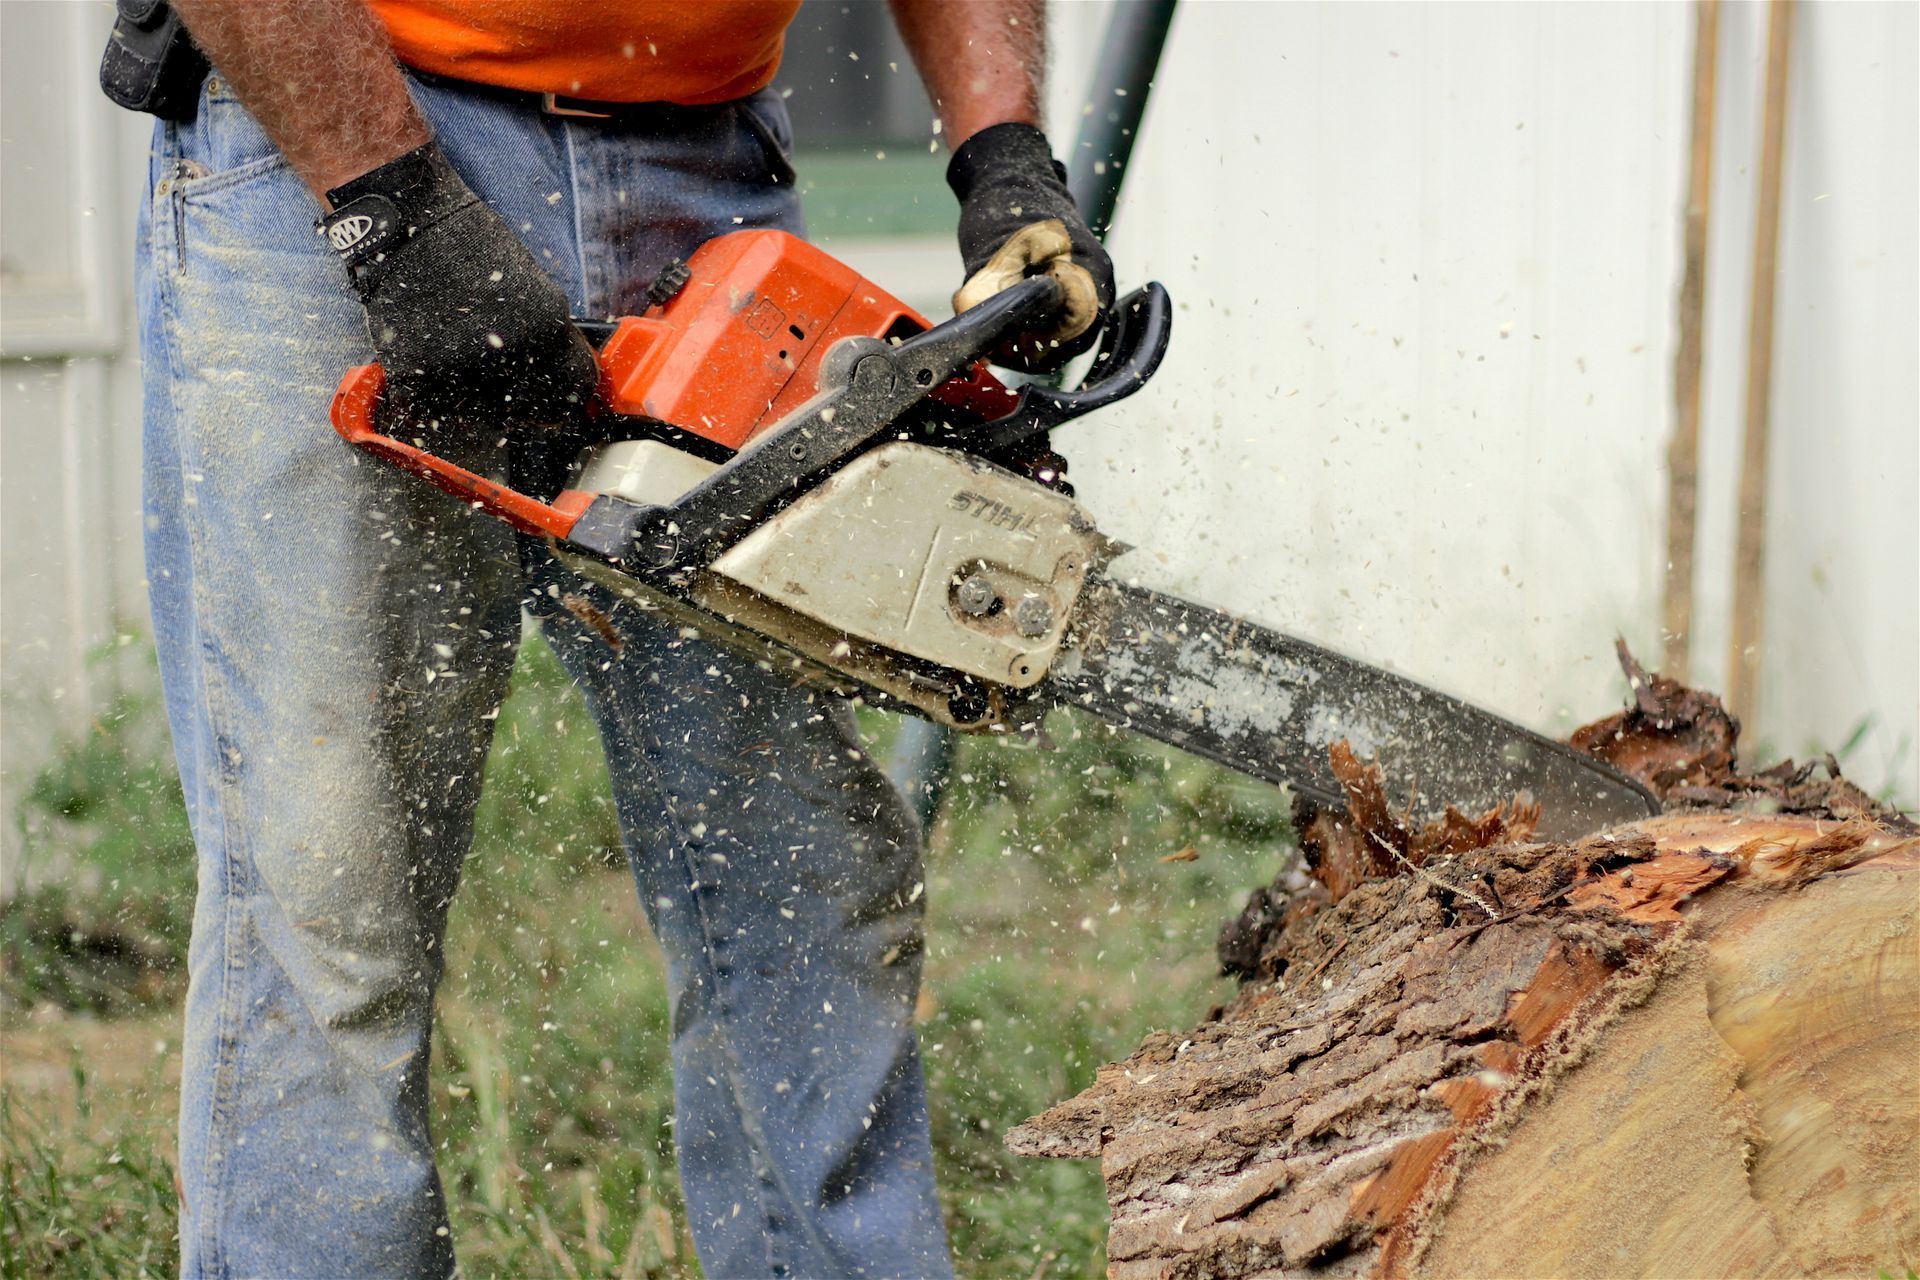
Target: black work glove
1017	219
468	328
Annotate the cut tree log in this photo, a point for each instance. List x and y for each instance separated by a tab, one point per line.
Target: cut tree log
1686	1047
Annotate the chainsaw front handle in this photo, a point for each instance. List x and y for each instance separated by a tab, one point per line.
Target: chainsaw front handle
355	405
866	386
1131	348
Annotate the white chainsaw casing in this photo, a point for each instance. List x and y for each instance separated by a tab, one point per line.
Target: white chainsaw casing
880	550
642	471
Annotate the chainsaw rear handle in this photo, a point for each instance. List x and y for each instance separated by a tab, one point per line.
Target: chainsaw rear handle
356	403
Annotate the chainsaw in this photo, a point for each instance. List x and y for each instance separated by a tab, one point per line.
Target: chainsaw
805	470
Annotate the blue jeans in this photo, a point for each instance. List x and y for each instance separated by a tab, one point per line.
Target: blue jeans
334	639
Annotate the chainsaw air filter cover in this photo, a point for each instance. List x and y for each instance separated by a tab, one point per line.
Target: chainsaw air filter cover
739	344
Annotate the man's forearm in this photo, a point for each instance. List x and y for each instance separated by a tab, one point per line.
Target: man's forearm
318	75
983	61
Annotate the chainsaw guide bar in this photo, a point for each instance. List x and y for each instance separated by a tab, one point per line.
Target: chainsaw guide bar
1269	706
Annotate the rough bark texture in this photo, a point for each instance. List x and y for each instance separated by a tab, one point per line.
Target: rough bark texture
1683	1047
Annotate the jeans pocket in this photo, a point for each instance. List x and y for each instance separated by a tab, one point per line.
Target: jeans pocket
193	182
236	207
765	118
225	146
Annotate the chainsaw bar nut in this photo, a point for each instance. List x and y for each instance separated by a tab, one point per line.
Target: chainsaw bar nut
1033	616
976	596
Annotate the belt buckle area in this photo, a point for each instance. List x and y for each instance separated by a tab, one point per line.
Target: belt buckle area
555	105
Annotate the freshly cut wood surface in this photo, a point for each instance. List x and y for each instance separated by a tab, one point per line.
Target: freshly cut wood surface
1755	1117
1683	1047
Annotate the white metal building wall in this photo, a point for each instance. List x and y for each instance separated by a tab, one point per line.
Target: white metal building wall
71	168
1426	258
1843	576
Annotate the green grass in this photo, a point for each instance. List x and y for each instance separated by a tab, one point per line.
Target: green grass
77	1204
103	827
1057	937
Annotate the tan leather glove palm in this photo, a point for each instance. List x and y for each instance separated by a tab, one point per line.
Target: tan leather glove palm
1017	219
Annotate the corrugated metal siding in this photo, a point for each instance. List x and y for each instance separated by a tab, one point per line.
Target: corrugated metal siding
1843	531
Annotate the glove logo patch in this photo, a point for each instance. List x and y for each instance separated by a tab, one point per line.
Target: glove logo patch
349	231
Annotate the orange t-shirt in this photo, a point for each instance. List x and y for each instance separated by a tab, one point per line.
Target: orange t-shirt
687	51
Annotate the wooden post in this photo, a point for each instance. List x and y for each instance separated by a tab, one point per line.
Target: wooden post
1683	449
1743	657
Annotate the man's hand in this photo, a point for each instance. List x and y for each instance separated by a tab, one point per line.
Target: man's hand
464	321
1017	219
466	325
982	62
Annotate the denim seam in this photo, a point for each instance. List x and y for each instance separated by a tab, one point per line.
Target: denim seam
683	845
168	211
780	170
592	300
224	798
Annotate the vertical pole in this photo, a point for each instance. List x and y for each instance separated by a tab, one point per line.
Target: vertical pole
1683	449
1123	75
1749	566
1129	56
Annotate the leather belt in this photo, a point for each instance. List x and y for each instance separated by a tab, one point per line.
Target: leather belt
568	107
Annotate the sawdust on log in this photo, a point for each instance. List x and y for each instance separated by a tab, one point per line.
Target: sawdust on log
1425	987
1680	742
1683	744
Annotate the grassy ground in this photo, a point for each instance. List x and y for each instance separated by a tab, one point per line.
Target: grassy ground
1057	937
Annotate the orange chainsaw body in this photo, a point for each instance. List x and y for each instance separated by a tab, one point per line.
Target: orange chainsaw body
724	358
740	344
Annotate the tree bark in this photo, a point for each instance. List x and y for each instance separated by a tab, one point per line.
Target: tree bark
1683	1047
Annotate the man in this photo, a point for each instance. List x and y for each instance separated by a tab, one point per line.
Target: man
336	638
